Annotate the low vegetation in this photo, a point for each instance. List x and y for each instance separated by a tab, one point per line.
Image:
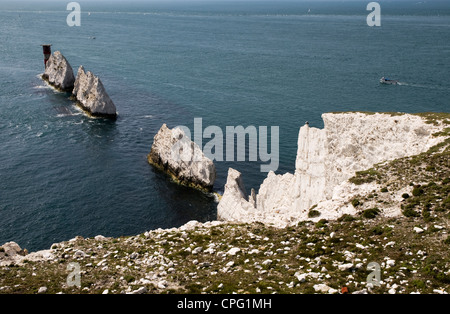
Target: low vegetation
251	258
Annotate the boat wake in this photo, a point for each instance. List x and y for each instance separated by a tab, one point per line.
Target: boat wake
386	81
422	86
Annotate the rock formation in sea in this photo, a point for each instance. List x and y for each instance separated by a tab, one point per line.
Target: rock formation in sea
173	152
326	159
59	73
91	95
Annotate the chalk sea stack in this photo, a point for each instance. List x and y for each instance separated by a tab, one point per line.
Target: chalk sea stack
235	197
174	153
91	95
59	73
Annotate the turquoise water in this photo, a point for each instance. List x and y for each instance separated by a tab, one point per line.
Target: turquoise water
230	63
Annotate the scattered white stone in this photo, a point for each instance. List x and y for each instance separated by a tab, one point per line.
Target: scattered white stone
42	290
267	262
79	254
332	291
364	291
141	290
418	230
210	250
321	288
102	262
345	267
162	284
233	251
390	263
301	277
99	238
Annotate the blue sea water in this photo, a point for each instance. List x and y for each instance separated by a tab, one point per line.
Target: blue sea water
231	63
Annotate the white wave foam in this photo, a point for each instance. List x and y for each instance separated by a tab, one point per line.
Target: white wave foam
46	86
42	87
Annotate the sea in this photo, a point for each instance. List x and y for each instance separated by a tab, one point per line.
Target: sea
230	63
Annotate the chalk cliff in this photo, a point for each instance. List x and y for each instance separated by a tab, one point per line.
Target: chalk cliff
173	152
91	95
59	73
326	159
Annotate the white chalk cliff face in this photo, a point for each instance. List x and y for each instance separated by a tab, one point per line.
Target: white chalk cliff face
173	152
326	159
59	73
92	96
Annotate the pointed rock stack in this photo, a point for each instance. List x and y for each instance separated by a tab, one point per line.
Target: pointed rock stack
91	95
59	73
235	202
87	89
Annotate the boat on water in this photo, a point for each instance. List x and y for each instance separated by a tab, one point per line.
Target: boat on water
385	80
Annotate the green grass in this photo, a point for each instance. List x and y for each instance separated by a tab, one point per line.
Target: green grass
366	176
306	242
371	213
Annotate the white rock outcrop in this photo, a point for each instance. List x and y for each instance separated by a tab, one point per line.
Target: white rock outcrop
235	198
91	95
12	254
59	73
326	159
173	152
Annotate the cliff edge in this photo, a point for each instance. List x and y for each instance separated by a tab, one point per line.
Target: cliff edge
326	159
